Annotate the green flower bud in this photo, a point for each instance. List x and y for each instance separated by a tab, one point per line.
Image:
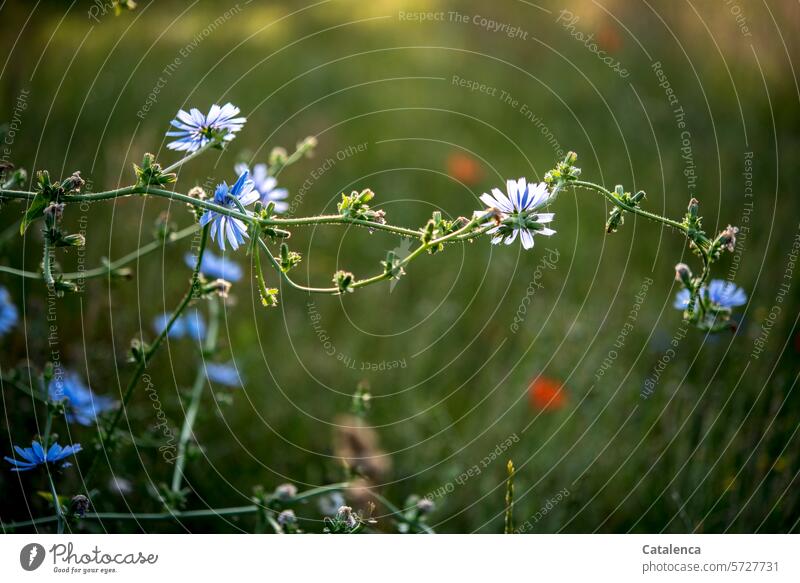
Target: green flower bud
344	281
75	240
278	156
694	205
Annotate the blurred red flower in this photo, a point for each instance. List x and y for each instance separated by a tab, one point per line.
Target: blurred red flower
547	394
464	168
609	38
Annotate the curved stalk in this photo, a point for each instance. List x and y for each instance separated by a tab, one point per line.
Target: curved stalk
112	265
211	512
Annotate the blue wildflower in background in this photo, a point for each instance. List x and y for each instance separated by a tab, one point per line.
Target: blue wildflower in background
223	373
82	405
265	185
222	226
192	325
36	455
215	267
518	208
9	316
195	130
720	293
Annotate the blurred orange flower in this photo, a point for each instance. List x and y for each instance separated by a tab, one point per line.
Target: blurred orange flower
547	394
609	38
464	168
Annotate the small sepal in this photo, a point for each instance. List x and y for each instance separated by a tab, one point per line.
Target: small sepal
151	174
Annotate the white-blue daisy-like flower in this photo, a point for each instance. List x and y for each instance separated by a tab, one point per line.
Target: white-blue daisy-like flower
228	228
9	315
215	267
720	293
265	185
223	373
81	404
191	325
519	214
36	455
195	130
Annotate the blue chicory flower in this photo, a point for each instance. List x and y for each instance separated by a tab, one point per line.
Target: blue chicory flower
36	455
82	405
215	267
195	130
265	185
222	226
192	325
721	294
223	373
9	316
518	214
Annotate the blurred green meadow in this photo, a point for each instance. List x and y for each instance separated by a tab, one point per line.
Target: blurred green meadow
650	428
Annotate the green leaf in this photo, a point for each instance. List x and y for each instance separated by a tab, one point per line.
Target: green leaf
35	210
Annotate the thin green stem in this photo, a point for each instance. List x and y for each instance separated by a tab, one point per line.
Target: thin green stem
112	265
47	267
48	426
56	503
463	234
147	355
174	166
211	512
195	397
207	205
632	209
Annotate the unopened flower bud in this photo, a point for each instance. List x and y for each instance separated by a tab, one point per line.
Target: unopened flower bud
727	238
683	274
307	146
198	192
693	207
74	240
73	183
220	287
344	281
53	213
122	273
571	158
79	505
62	286
278	156
346	515
285	492
287	518
425	505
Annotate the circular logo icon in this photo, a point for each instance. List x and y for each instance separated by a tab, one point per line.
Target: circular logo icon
31	556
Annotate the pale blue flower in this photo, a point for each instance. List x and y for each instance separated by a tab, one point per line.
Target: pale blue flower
222	226
9	316
191	325
518	212
195	130
215	267
721	294
265	185
223	373
82	405
35	455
